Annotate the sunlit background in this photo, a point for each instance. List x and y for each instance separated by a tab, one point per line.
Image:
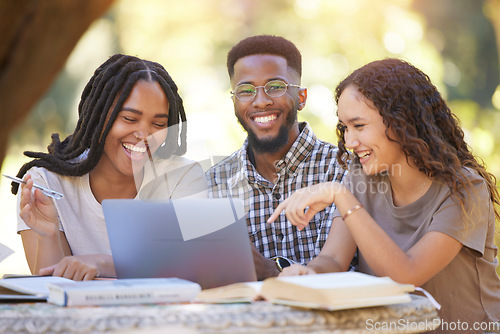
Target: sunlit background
453	41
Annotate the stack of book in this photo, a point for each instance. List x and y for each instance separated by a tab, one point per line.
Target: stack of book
66	292
333	291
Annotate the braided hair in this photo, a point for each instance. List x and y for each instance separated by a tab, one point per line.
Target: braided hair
110	85
427	130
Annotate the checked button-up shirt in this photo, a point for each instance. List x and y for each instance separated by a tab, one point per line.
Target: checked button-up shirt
309	161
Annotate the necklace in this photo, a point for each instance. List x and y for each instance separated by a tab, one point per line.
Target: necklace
424	187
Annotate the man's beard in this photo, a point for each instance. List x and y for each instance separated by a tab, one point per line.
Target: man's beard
270	145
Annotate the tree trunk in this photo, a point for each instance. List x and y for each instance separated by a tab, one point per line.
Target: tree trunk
37	37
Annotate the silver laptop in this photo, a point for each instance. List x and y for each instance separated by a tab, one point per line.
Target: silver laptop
202	240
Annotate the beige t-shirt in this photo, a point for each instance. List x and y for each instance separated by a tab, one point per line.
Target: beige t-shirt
80	215
468	289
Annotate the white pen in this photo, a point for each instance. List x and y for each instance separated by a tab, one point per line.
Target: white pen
46	191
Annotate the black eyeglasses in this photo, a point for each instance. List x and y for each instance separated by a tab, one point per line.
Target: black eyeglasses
275	88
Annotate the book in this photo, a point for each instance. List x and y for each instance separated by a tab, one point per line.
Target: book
123	291
26	288
330	291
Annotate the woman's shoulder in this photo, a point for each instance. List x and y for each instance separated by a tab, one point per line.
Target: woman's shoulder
53	180
478	183
43	173
47	174
472	175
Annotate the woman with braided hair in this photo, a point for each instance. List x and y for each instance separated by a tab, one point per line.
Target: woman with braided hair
130	111
417	204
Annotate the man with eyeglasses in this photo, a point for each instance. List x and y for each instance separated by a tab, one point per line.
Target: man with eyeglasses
279	156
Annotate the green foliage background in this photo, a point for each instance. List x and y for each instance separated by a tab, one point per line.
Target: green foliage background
451	40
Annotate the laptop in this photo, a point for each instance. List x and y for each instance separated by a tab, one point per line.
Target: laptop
202	240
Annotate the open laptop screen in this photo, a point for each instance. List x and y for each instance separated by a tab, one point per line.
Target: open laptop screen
202	240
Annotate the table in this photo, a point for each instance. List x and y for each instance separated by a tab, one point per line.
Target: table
417	316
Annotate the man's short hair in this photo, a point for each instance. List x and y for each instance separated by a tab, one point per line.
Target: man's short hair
265	44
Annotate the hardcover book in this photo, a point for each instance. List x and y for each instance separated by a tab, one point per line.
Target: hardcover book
331	291
123	291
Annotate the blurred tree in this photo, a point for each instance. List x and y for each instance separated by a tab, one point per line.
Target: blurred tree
492	11
37	37
459	30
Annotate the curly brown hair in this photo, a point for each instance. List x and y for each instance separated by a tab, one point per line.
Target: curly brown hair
413	109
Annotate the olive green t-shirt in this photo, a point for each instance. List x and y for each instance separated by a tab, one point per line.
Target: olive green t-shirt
468	288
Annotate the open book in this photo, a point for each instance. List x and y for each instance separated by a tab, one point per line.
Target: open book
27	288
332	291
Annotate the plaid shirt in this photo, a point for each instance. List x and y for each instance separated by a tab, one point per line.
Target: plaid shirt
309	161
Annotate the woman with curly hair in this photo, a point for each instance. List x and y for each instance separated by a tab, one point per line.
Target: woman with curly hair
130	111
418	206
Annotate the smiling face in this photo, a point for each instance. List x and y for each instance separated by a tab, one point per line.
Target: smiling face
271	122
365	134
142	123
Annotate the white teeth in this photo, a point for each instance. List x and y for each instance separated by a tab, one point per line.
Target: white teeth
265	119
133	148
364	154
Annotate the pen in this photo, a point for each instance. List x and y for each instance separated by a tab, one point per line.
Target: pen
46	191
7	276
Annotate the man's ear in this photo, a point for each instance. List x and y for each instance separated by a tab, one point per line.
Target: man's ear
302	98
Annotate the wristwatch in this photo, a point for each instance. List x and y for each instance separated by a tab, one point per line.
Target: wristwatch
282	262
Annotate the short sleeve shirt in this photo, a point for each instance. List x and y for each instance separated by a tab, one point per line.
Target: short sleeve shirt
80	215
309	161
468	289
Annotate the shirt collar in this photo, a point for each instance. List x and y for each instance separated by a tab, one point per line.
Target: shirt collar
300	151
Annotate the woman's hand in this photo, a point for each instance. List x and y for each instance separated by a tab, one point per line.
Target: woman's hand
81	267
38	210
303	204
297	269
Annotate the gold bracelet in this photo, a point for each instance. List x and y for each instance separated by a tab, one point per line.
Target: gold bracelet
351	211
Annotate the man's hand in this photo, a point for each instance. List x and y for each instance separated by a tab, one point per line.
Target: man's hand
264	267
